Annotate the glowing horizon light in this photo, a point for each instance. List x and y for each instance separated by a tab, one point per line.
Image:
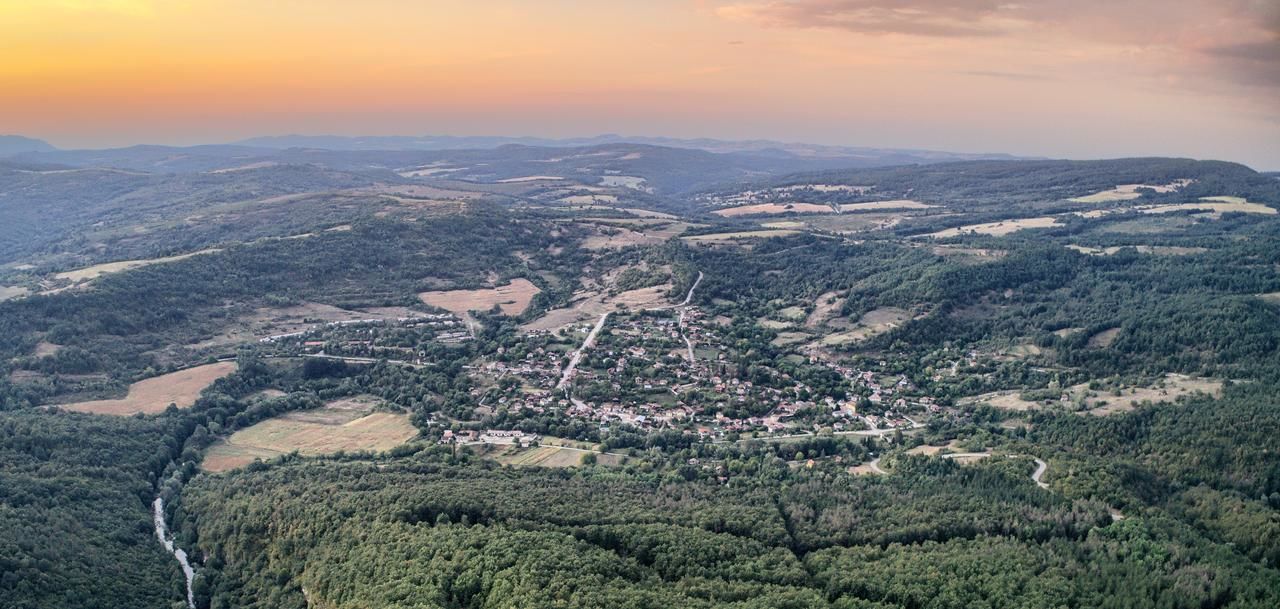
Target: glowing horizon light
1055	78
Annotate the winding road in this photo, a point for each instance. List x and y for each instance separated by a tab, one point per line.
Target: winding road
1036	476
1041	468
875	467
687	298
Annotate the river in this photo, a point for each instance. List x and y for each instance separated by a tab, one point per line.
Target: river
162	532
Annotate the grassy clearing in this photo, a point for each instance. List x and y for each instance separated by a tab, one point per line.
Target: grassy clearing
612	234
647	213
98	270
529	179
735	236
790	338
859	222
1217	205
588	199
589	305
342	425
873	323
774	208
784	224
632	182
997	229
1106	402
512	298
925	449
1104	338
153	395
825	307
883	205
1128	192
7	292
547	456
1158	250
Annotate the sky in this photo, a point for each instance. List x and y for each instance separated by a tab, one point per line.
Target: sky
1058	78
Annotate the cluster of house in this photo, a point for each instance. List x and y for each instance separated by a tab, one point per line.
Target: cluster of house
361	344
666	400
778	194
489	436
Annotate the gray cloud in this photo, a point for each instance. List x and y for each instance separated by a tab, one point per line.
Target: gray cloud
1236	40
948	18
1252	63
1256	62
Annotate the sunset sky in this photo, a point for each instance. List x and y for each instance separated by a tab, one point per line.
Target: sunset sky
1070	78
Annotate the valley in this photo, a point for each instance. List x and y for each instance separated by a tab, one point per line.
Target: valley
632	375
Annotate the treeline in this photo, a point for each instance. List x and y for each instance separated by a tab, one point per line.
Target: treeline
75	525
437	530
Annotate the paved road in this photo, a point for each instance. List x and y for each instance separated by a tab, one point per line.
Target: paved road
966	456
875	467
567	374
1041	466
689	297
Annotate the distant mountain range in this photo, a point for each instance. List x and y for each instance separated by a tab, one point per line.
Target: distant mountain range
16	144
754	147
861	156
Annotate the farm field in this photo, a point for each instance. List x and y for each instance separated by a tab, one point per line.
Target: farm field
997	229
739	235
547	456
153	395
512	298
857	222
342	425
1158	250
883	205
7	292
774	208
587	306
1217	205
1128	192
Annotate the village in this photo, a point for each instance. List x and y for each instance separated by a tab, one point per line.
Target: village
657	370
